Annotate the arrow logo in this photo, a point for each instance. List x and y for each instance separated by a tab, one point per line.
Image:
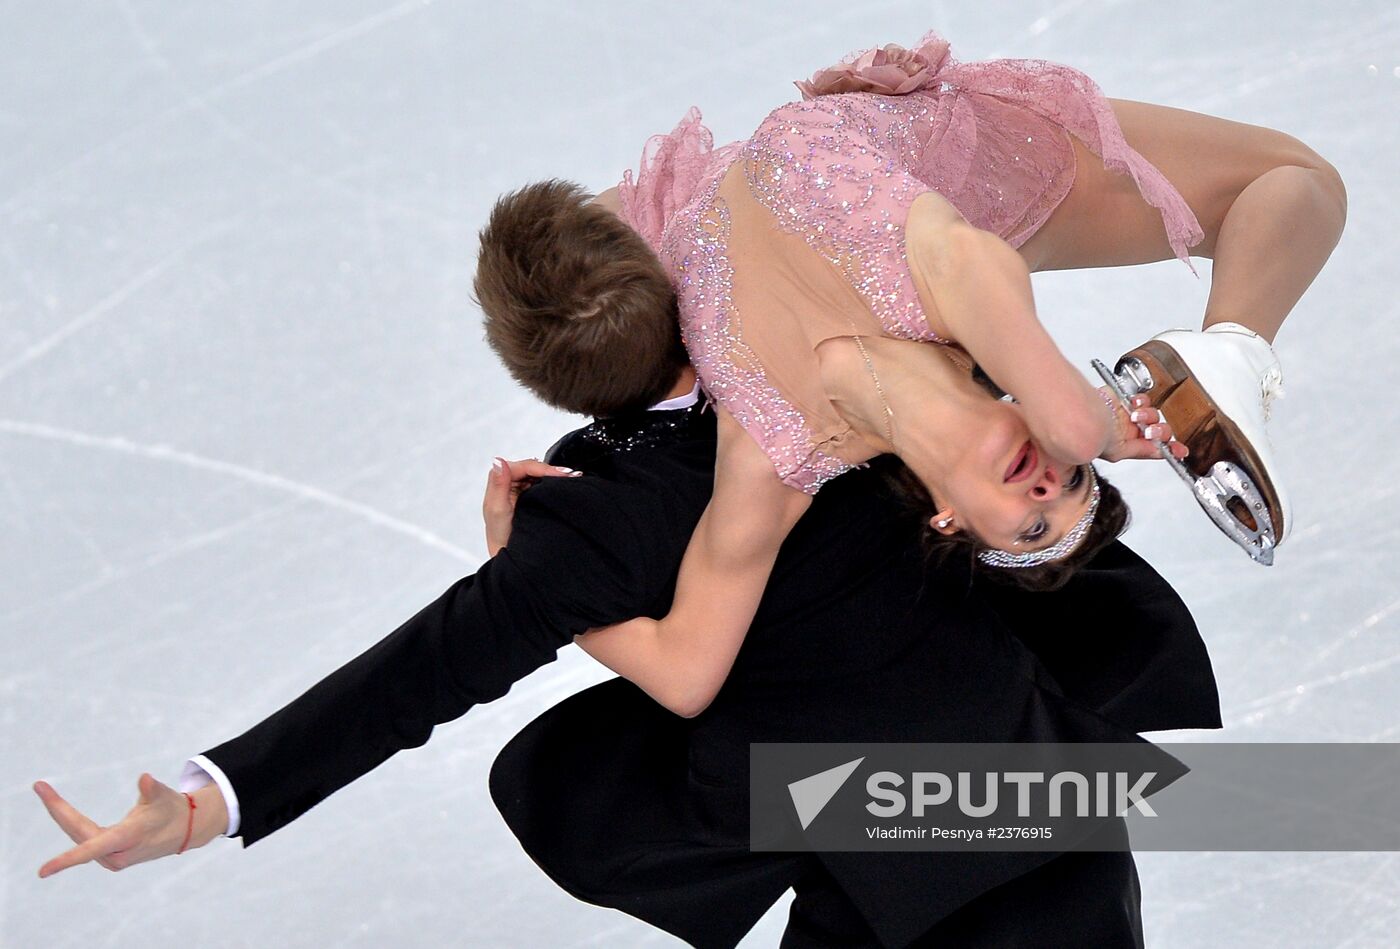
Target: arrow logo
811	794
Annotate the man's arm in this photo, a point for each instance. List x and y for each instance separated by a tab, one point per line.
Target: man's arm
506	481
576	559
580	557
200	772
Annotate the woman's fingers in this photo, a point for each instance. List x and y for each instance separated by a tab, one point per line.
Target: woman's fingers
533	468
497	507
507	480
1153	435
497	494
509	477
1153	429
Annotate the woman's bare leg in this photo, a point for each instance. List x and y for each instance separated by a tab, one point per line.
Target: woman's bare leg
1272	210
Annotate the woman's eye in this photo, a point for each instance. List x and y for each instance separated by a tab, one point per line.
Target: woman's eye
1077	479
1036	532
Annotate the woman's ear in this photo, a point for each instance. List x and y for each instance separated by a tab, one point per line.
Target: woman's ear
943	522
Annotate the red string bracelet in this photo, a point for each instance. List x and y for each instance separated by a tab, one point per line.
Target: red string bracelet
189	829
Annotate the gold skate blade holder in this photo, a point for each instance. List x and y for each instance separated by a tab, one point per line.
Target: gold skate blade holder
1213	491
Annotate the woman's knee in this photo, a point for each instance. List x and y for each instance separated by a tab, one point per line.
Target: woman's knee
1330	180
1293	152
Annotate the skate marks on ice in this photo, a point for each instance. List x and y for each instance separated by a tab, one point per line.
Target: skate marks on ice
268	213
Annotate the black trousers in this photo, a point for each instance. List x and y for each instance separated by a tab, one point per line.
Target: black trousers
1081	899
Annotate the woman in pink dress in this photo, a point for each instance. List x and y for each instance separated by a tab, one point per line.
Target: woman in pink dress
841	275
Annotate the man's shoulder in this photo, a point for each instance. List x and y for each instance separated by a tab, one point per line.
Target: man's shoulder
647	472
568	444
641	439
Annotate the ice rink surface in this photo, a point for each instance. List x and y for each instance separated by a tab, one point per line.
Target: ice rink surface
246	415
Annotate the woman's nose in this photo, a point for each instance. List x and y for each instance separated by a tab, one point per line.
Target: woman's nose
1048	486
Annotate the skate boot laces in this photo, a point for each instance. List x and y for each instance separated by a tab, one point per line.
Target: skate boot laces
1270	388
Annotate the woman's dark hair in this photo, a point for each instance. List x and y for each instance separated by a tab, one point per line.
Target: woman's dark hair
1110	520
577	305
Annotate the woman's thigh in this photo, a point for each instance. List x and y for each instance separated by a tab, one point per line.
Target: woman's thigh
1104	221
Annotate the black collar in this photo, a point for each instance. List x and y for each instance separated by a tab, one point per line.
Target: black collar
641	429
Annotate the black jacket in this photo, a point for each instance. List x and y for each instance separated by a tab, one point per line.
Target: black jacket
626	805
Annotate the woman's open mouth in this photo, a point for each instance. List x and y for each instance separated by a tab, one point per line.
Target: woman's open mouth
1023	464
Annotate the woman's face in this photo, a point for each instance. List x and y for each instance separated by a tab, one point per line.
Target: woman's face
1008	491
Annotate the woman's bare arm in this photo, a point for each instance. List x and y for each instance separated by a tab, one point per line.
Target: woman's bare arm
682	659
976	289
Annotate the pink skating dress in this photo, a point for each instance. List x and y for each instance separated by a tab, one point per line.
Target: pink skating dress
796	235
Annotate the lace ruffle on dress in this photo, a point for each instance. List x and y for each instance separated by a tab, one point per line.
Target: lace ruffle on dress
796	235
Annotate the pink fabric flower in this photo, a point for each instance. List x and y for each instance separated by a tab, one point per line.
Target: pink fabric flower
890	70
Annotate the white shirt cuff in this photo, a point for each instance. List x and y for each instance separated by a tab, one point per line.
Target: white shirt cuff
198	772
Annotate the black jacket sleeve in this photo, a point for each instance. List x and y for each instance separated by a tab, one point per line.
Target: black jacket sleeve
578	557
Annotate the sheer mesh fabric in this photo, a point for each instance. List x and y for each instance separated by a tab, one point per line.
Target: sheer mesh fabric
796	235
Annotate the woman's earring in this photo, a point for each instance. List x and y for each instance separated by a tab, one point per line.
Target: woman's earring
944	523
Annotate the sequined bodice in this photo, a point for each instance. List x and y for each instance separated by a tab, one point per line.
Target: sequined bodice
797	234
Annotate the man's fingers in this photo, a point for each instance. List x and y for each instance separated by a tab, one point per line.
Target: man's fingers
148	788
104	843
78	826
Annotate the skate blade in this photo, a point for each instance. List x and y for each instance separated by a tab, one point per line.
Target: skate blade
1214	490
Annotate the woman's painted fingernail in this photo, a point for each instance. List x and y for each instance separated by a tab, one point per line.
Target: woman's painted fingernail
563	469
497	466
1138	415
575	474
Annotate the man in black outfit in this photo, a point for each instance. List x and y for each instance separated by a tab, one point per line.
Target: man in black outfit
627	805
856	639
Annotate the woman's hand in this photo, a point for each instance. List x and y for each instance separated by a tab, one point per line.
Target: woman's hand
1135	442
155	827
503	486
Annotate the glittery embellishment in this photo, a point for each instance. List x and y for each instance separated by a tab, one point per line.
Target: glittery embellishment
1057	550
695	248
842	171
833	172
637	430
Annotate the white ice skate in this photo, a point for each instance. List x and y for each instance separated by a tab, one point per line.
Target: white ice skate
1215	387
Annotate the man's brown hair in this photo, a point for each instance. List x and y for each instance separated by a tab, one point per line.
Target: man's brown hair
577	304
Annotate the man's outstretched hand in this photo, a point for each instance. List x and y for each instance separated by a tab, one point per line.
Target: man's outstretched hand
155	827
503	486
